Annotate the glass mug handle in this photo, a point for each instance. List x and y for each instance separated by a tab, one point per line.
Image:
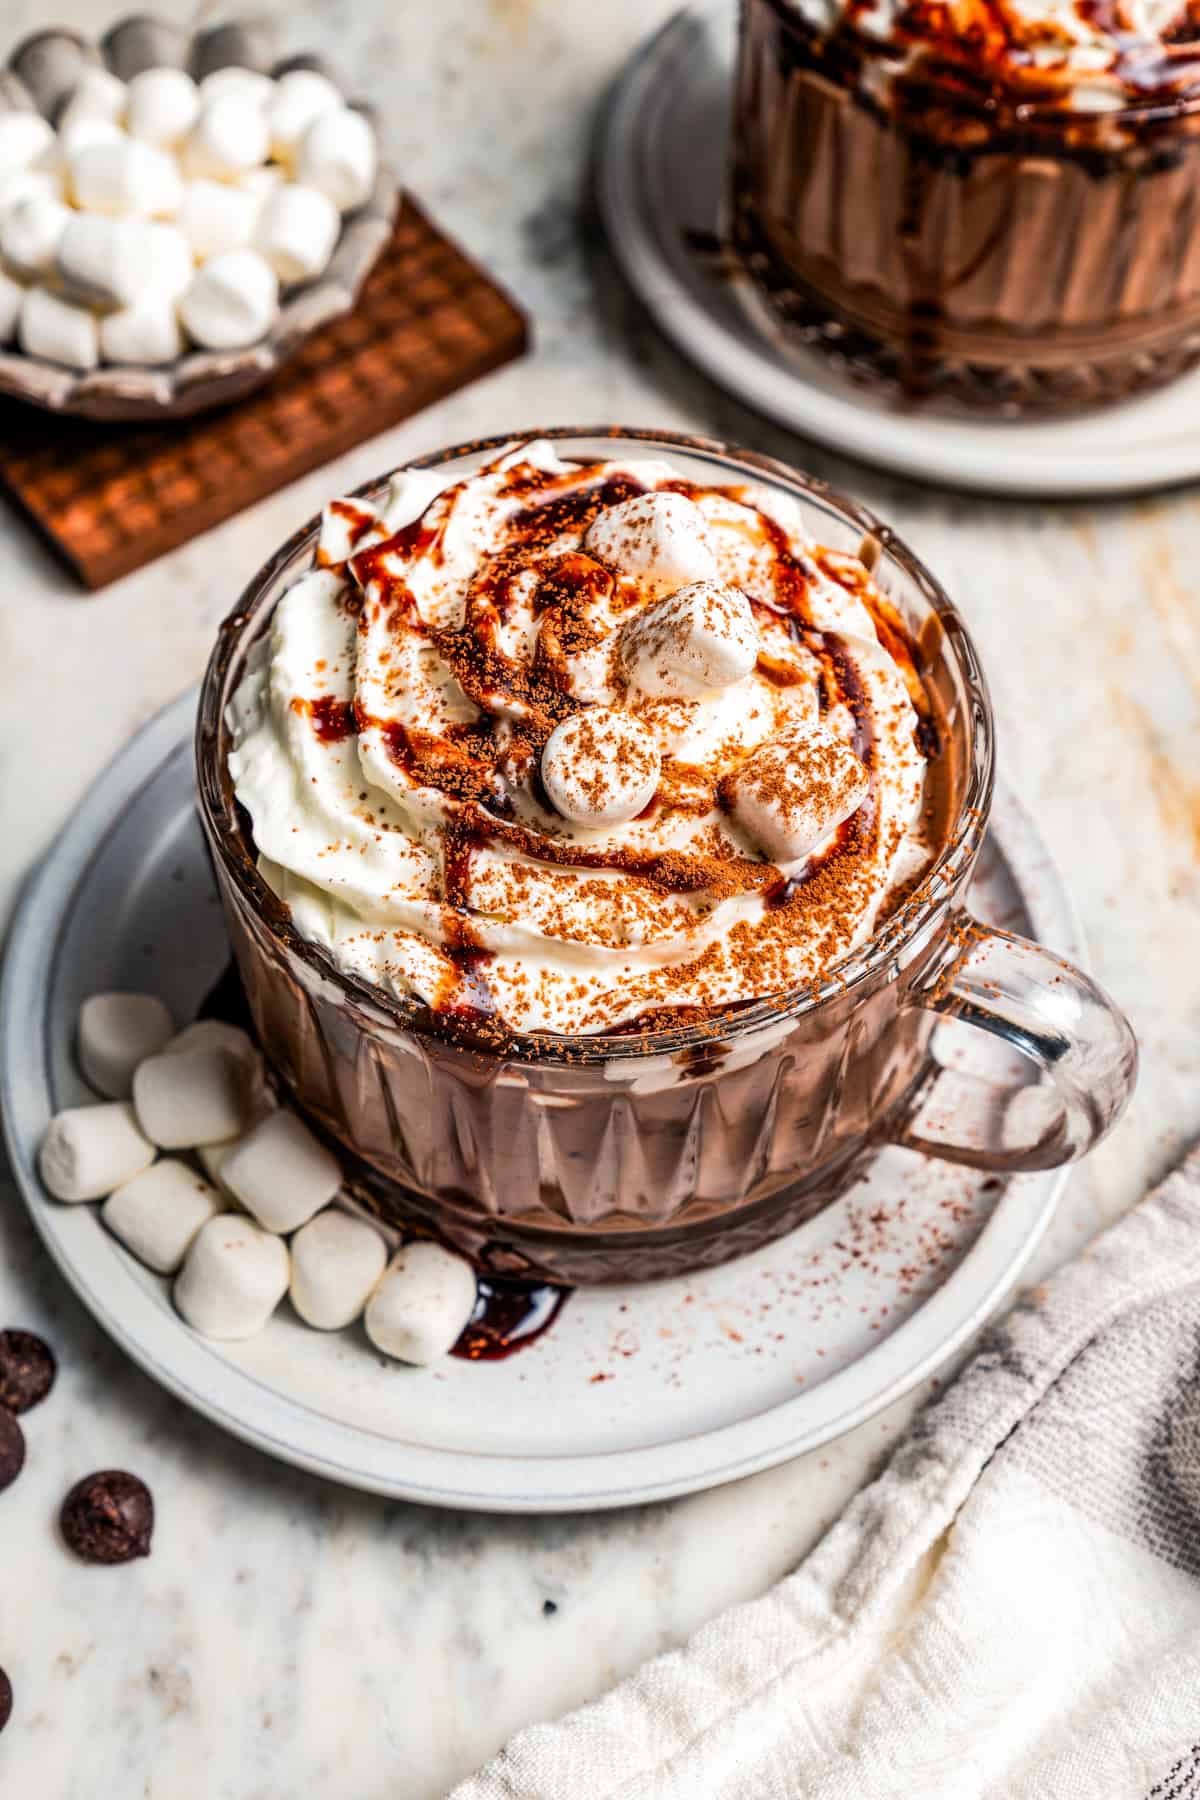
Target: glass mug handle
1055	1016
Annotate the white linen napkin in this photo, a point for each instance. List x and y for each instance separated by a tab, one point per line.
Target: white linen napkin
1011	1610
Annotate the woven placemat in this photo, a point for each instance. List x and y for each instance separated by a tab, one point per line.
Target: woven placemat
111	498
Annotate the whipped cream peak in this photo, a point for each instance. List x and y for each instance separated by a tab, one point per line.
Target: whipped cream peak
570	745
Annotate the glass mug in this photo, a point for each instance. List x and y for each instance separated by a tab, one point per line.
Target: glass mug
1005	255
629	1157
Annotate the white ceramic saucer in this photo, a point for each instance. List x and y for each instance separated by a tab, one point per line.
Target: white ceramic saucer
660	175
635	1393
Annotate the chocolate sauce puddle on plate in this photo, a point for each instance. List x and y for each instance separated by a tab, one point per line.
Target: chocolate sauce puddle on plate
509	1316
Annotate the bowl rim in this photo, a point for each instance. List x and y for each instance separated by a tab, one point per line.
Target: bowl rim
930	900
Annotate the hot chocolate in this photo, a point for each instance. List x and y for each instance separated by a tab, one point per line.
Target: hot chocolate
592	819
991	200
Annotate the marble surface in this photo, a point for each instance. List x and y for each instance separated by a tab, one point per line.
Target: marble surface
287	1637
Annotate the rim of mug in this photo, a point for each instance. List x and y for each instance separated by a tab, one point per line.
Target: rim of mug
938	887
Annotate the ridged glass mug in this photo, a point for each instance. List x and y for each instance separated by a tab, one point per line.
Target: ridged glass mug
620	1158
1011	257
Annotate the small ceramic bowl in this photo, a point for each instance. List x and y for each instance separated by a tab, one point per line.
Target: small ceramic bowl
40	75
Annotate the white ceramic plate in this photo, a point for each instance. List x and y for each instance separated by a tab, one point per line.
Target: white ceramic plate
660	176
635	1393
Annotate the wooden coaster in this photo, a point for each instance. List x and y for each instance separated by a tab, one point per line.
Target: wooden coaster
111	498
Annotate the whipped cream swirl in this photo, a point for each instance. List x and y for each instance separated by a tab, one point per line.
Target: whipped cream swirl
575	746
1085	55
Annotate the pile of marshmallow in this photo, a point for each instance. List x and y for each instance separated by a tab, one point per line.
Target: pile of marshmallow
162	211
260	1216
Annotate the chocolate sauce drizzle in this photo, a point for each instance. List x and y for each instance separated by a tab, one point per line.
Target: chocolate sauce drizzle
473	769
332	719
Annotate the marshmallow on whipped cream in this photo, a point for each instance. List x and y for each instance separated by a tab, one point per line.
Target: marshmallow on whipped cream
632	744
598	769
794	790
700	637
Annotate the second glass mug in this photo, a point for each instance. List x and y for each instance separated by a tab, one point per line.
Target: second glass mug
585	1159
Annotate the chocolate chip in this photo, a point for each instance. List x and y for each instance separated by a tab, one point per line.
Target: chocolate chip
548	1609
27	1370
12	1450
5	1699
108	1517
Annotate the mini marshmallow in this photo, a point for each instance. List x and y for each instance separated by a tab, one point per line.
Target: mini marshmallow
280	1173
233	1278
90	129
296	231
98	94
126	177
792	791
214	1034
30	233
214	217
657	540
190	1097
162	183
163	106
47	184
11	296
159	1212
171	264
699	638
337	154
230	135
231	302
218	1034
600	767
336	1264
213	1158
146	333
90	1150
54	329
423	1304
116	1032
24	136
301	96
262	183
234	79
105	261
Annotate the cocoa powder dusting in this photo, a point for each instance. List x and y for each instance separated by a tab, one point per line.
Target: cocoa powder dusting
538	602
